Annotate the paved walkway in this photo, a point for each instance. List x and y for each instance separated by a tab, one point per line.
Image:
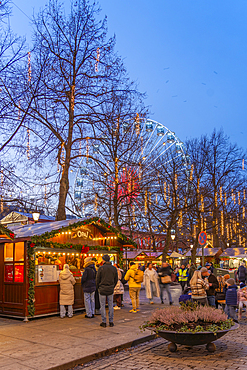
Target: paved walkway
231	354
51	343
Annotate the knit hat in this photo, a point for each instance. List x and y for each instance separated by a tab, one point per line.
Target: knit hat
226	277
207	264
242	285
106	258
231	281
88	259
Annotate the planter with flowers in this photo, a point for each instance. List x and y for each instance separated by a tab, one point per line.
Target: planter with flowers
190	325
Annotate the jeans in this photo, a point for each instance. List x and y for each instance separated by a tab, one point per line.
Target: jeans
182	283
231	312
63	311
165	287
211	300
89	303
102	299
152	289
134	296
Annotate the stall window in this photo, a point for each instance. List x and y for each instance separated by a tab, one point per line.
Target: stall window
13	268
8	252
19	273
19	251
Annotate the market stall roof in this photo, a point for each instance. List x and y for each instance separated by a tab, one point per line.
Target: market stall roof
207	252
49	229
176	255
148	253
26	231
235	252
19	217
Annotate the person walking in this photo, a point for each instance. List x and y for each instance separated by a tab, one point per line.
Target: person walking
199	287
165	272
182	276
89	286
213	284
66	294
151	283
106	280
231	299
242	272
134	276
119	289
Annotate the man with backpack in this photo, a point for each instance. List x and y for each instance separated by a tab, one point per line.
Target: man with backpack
134	276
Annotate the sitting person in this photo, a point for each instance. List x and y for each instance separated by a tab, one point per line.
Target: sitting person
185	296
220	296
242	299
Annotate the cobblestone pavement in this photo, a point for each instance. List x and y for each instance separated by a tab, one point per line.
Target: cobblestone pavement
230	354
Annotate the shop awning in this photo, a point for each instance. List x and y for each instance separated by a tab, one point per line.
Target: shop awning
235	252
148	254
176	255
207	252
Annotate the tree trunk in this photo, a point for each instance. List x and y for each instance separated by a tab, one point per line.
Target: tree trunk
63	191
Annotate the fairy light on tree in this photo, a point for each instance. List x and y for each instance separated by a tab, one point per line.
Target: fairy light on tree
97	59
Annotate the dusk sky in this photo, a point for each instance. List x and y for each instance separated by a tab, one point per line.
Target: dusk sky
189	56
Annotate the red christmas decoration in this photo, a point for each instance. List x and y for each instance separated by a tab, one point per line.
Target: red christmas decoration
109	227
59	230
86	249
32	245
71	246
12	235
31	279
98	220
121	249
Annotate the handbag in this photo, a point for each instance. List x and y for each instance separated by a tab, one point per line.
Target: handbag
166	279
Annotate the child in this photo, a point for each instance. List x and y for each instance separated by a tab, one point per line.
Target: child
242	299
231	299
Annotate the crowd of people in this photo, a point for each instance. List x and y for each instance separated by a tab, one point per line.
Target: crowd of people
103	283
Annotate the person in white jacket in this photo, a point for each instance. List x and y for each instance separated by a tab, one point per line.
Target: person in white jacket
151	283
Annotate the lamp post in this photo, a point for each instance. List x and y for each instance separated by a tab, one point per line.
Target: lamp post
36	215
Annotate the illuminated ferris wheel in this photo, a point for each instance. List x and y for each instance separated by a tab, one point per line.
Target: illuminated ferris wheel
143	147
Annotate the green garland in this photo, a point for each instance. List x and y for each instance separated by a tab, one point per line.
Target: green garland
4	230
31	279
91	221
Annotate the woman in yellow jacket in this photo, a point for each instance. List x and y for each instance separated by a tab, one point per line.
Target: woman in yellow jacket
134	281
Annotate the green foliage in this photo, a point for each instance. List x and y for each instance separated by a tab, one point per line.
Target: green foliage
4	230
31	280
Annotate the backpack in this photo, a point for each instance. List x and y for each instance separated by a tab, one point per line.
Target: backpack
138	277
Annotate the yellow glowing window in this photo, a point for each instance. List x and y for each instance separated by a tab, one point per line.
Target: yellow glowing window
19	251
8	252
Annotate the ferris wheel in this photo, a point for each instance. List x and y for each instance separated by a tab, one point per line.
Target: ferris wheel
144	147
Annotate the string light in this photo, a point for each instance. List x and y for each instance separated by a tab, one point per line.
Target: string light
202	203
242	164
29	67
225	200
191	172
137	125
1	191
45	197
116	170
244	194
165	190
239	198
222	223
176	181
87	148
215	199
28	143
221	194
80	147
95	202
156	198
97	59
146	202
243	212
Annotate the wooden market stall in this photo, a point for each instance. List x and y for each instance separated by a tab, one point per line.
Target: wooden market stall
32	258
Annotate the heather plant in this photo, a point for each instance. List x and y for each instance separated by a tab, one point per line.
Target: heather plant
193	319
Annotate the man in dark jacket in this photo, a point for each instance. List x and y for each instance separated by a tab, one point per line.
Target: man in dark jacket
89	286
242	273
213	284
106	279
163	271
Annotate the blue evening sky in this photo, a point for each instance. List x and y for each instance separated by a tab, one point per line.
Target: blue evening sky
189	56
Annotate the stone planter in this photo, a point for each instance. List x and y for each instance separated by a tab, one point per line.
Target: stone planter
192	339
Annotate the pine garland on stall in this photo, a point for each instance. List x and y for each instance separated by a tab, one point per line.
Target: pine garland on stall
31	279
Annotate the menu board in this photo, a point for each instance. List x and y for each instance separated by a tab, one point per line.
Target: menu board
47	273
